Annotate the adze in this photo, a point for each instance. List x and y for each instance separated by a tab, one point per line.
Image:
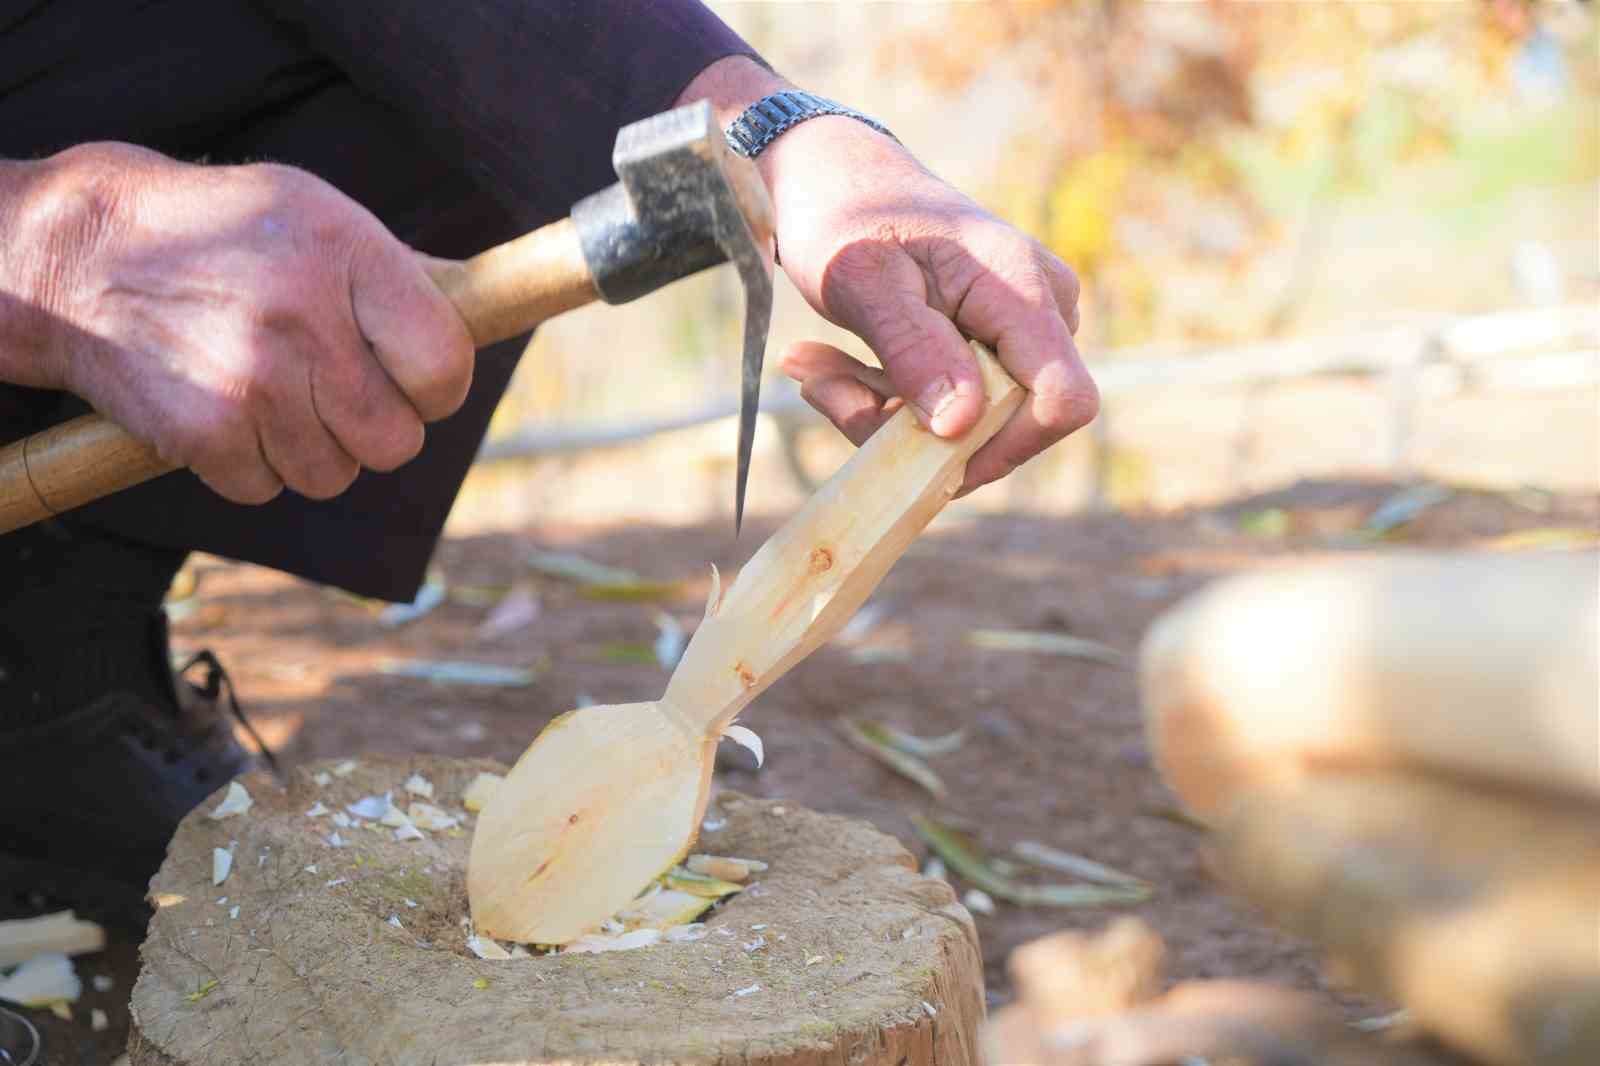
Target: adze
684	202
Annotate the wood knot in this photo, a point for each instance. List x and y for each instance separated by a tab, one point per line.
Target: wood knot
574	819
821	560
747	677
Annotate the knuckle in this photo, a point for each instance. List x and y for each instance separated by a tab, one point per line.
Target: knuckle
324	480
1069	409
395	446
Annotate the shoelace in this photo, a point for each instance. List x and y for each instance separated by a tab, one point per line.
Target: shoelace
217	683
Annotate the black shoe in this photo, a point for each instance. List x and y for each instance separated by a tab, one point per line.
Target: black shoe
93	796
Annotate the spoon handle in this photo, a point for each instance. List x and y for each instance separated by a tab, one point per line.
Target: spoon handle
810	577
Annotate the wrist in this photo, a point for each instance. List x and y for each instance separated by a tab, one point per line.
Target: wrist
55	213
27	356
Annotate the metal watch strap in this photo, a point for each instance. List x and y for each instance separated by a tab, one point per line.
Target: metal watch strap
764	120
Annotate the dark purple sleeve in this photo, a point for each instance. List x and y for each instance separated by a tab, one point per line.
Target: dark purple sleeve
528	93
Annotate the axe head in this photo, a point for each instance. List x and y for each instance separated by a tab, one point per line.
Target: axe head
685	202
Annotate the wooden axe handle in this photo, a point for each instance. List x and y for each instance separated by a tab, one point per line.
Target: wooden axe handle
500	293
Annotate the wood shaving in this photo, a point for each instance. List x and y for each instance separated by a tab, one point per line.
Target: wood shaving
42	980
63	931
485	948
408	832
595	943
741	993
418	785
746	738
370	807
427	816
685	933
478	793
237	801
221	865
322	777
395	818
318	810
345	769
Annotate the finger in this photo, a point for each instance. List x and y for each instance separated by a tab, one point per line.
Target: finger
245	477
1033	342
881	295
415	333
814	359
847	392
363	408
1065	288
294	441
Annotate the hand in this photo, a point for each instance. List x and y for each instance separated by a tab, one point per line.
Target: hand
250	322
877	244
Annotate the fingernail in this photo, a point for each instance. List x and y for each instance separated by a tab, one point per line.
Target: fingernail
935	399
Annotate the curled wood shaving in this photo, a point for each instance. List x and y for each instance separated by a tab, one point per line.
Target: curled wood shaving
418	785
485	948
746	738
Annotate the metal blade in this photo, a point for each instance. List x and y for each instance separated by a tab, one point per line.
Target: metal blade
753	257
757	319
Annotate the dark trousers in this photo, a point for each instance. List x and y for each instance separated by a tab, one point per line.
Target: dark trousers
460	124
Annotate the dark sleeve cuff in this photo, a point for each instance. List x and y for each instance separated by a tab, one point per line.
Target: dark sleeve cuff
529	94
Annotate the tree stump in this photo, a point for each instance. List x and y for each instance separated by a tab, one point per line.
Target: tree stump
840	953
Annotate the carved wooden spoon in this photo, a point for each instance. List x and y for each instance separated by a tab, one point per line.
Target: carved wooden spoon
607	798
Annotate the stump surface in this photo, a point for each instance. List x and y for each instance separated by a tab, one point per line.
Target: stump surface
311	971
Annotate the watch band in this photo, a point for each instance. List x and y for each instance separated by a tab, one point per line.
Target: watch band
764	120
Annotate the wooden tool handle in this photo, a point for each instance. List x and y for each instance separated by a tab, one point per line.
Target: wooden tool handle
806	582
500	293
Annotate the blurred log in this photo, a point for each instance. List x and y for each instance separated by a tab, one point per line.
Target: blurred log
1242	1023
1478	910
1483	666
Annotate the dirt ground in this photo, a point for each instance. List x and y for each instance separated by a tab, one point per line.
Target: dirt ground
1053	748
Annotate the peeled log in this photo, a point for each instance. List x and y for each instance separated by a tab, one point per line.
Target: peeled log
315	975
1477	910
1482	666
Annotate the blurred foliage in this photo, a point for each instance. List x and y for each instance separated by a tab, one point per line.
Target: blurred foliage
1179	136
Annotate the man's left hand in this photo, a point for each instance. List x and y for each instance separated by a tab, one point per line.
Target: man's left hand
880	246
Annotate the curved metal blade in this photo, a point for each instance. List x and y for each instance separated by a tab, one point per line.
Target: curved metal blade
757	320
752	255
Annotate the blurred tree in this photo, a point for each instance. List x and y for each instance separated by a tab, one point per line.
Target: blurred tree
1135	164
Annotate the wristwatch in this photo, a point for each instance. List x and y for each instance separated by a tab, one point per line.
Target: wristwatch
764	120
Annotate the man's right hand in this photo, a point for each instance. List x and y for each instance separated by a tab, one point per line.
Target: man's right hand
252	323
